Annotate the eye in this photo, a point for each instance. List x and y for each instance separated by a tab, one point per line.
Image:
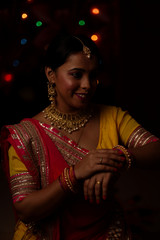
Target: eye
77	75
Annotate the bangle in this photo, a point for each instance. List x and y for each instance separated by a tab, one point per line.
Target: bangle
126	153
68	181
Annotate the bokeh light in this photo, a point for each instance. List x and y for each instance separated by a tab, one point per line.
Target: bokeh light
94	37
23	41
8	77
95	11
82	23
38	23
24	15
16	63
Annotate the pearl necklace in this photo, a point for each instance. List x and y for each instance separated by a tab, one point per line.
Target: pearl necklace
67	121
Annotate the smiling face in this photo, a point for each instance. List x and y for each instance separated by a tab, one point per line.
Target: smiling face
75	82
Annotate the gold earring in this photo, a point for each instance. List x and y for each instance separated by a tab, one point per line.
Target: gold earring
51	93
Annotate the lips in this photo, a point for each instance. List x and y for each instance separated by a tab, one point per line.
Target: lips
81	95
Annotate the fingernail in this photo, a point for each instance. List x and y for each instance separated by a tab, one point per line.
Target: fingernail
85	197
97	201
120	152
104	197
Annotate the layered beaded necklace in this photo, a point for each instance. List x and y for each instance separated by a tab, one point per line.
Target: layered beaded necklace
67	121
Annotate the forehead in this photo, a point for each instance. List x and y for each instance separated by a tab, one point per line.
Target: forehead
79	60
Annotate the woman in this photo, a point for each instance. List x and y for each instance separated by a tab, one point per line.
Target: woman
62	163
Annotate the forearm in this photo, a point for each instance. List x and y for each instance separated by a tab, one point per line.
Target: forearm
147	156
41	203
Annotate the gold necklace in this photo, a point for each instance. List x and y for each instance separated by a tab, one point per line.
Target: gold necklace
67	121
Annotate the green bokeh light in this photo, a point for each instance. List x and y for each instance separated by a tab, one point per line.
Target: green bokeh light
82	23
38	23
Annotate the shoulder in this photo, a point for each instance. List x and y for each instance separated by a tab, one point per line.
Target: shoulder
40	117
109	110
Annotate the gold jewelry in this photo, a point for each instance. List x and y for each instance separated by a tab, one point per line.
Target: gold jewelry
51	93
86	50
67	121
98	182
68	181
126	153
101	159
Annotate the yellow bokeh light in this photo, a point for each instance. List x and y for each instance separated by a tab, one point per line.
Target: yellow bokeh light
94	37
24	15
95	11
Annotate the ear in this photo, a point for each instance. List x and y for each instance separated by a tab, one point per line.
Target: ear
50	74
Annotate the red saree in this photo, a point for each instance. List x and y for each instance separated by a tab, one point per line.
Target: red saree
45	153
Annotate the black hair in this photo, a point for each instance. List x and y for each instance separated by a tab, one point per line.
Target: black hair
63	45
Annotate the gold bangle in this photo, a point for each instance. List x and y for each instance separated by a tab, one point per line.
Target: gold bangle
127	155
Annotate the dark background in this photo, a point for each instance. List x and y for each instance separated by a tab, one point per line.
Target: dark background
129	37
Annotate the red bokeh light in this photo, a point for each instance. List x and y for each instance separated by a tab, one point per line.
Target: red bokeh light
8	77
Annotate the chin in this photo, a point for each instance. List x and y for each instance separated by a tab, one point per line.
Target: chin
82	106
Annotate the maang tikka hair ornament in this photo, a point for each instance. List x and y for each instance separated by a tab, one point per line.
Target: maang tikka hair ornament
51	93
86	50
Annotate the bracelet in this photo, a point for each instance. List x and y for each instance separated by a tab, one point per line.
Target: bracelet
68	181
126	153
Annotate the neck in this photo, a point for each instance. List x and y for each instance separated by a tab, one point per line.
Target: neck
68	121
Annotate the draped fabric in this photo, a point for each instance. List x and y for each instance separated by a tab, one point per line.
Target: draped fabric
35	154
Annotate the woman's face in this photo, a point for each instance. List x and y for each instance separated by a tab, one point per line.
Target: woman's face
75	82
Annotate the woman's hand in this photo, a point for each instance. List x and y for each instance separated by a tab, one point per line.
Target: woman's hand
96	161
98	186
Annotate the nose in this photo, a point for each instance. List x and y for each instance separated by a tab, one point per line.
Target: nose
85	83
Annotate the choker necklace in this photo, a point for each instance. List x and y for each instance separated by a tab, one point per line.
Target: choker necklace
67	121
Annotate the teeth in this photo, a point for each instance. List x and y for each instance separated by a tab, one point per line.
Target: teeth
82	95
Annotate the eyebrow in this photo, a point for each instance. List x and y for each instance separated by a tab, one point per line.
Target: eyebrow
77	69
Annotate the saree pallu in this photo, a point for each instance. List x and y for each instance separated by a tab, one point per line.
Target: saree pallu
45	152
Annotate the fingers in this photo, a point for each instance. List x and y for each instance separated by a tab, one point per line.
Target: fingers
102	160
89	186
93	190
108	160
112	158
96	188
85	188
105	185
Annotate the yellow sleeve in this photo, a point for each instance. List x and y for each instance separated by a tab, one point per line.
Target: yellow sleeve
126	125
15	164
116	126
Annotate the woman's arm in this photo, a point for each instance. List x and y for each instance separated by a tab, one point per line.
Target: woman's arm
146	156
41	203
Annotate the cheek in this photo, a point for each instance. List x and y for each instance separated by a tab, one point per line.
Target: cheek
69	85
66	84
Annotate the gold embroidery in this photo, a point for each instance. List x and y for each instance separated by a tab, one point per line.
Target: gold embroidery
140	137
22	185
30	142
71	152
37	151
33	154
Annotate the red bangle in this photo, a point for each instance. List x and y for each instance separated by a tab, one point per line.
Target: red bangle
68	180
